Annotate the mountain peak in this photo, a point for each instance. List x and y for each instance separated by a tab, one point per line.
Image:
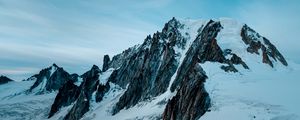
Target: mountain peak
95	67
54	65
4	79
50	79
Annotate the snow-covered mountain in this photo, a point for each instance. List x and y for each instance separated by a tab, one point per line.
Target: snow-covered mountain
50	79
192	69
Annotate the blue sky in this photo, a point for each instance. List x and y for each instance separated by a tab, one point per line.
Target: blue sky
76	34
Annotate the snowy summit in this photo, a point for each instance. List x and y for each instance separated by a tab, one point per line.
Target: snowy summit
190	70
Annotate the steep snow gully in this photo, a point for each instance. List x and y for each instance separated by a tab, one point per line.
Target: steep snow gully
192	69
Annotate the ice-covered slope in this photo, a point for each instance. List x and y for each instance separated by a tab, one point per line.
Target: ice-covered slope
32	98
261	93
15	104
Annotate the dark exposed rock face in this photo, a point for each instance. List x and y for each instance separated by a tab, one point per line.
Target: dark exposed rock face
87	88
102	89
4	79
212	52
191	100
234	60
237	60
67	94
90	81
106	61
149	70
198	51
80	107
257	42
167	69
44	74
52	81
57	79
74	77
82	94
119	59
229	68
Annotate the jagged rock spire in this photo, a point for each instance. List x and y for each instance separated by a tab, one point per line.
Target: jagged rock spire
106	61
4	79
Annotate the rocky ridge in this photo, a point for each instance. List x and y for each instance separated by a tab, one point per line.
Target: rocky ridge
166	65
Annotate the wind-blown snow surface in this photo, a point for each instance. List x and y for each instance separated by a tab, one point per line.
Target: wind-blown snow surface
15	104
261	93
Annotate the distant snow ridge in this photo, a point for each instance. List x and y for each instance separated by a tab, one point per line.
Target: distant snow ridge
50	79
192	69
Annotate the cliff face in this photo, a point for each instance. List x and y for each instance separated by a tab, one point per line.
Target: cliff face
79	95
192	100
67	94
150	69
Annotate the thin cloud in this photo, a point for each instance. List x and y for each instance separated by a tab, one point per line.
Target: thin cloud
37	34
76	36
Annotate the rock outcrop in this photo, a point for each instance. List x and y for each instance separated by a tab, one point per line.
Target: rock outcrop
123	57
102	89
4	79
81	95
80	107
261	45
87	88
67	94
149	70
106	61
191	100
199	50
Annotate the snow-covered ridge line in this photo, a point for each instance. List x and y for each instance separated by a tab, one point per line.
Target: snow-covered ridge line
140	78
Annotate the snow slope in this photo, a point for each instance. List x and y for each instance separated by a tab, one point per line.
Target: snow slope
15	104
261	93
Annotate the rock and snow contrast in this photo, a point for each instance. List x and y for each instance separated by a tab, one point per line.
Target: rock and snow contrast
191	70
